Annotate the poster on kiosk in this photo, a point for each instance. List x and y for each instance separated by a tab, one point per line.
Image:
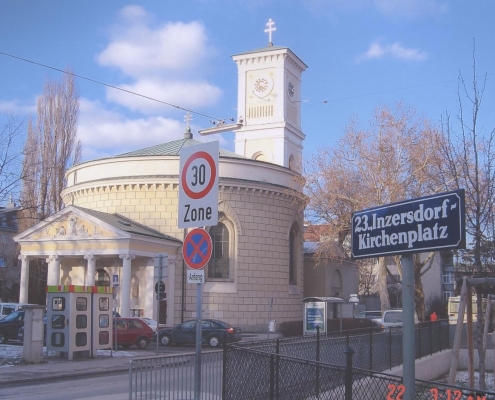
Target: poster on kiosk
315	316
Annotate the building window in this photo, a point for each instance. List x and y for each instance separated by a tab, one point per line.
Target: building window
448	278
2	262
448	258
102	278
447	294
219	266
293	255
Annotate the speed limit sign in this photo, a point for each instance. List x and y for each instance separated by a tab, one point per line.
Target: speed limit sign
198	186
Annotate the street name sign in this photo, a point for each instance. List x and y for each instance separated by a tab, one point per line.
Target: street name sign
428	223
197	248
198	185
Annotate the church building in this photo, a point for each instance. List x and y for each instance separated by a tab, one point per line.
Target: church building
121	214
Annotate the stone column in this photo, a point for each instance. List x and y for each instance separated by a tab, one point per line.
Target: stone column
125	293
53	278
90	269
24	284
149	291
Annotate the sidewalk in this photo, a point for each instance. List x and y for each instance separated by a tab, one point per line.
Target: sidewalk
106	363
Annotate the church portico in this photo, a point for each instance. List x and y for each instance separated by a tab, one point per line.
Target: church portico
88	249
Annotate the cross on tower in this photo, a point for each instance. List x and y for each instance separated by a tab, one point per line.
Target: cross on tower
270	29
188	118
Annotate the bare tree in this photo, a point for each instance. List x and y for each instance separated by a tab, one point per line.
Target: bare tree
11	155
469	151
51	147
395	159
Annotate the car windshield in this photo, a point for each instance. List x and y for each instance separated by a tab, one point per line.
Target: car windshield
12	317
393	317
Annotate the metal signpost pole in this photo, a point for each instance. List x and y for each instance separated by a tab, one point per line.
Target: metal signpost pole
158	301
198	206
408	328
197	367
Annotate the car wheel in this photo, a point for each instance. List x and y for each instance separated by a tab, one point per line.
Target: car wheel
214	341
142	343
3	339
165	340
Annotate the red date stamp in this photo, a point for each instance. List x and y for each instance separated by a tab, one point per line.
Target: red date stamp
396	392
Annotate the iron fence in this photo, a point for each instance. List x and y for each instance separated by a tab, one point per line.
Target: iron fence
254	374
375	349
464	339
172	377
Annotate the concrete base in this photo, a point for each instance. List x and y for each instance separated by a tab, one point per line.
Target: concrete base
464	360
432	367
428	368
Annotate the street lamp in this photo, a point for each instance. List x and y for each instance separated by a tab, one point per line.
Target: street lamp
354	301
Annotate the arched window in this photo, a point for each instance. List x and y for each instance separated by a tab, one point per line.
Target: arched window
293	255
336	289
102	278
220	266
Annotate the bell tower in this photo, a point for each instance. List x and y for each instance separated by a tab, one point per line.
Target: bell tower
269	104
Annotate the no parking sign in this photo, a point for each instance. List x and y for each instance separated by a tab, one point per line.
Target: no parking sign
197	248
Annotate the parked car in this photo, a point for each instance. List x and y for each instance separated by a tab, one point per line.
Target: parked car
9	308
375	316
369	314
132	331
213	332
10	325
392	318
151	322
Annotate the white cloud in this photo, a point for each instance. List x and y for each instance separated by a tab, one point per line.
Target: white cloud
394	50
167	62
15	107
108	133
105	133
141	50
186	94
411	8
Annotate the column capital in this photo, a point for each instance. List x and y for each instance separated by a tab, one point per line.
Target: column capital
127	256
51	258
90	257
23	258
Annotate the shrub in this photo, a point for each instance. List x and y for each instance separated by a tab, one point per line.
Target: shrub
295	328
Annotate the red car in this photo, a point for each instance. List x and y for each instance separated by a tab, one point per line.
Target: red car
132	331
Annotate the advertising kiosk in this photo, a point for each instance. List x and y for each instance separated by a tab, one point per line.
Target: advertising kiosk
79	319
315	313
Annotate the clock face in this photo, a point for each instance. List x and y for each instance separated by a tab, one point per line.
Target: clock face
290	89
262	85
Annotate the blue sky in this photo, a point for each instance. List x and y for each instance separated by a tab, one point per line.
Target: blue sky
361	54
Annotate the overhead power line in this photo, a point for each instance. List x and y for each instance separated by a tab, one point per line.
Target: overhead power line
113	87
219	120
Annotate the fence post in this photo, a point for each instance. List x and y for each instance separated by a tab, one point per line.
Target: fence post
272	376
224	368
371	347
419	343
317	361
390	346
348	373
277	366
431	338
